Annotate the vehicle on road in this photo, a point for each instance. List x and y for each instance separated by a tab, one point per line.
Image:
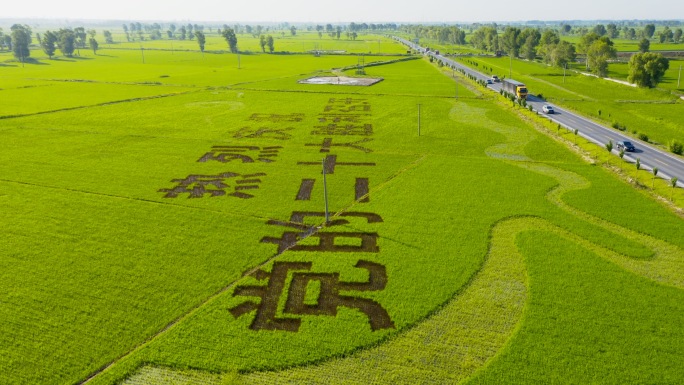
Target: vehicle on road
495	79
625	145
516	88
548	109
489	81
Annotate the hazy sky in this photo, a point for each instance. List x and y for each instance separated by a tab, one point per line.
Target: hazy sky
344	10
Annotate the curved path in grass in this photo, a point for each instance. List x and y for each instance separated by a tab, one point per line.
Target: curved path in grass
667	262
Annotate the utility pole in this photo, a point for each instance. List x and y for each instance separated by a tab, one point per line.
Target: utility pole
510	68
142	52
418	119
565	66
680	75
325	193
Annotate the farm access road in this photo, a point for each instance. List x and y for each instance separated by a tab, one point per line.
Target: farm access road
668	165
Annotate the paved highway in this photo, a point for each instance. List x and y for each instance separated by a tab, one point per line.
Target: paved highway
668	165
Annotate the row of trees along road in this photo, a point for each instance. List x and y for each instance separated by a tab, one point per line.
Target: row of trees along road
645	70
531	43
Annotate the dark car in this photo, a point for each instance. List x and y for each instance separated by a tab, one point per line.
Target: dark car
627	146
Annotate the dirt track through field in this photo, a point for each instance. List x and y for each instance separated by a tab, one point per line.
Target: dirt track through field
98	105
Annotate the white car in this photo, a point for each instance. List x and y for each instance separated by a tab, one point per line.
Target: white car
548	109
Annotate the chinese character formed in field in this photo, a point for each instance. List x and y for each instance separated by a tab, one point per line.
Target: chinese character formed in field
361	190
197	186
341	118
328	301
366	242
225	154
344	129
264	132
330	163
328	142
276	118
347	105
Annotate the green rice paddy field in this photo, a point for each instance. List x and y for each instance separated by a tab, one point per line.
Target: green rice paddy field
165	223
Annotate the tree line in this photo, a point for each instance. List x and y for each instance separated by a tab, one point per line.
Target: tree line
531	43
67	40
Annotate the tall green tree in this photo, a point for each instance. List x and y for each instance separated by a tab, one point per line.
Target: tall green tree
510	41
599	29
547	43
48	43
81	34
201	39
530	38
269	43
666	35
677	35
7	41
598	55
231	39
647	69
486	38
562	54
66	41
183	32
644	45
630	34
586	41
21	40
262	43
649	30
293	30
108	37
93	45
612	31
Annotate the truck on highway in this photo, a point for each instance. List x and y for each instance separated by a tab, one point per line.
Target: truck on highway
514	87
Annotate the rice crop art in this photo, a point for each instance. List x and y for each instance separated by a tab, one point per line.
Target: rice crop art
185	221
